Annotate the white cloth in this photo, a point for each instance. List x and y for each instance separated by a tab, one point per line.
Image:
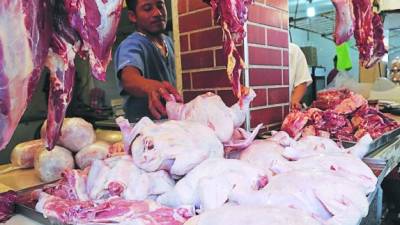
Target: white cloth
298	67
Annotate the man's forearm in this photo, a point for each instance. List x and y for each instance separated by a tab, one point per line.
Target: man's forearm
298	92
134	83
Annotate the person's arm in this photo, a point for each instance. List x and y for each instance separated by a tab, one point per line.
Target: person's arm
297	95
135	84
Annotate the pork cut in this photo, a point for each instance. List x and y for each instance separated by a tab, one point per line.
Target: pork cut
210	184
240	215
209	110
7	202
174	146
110	211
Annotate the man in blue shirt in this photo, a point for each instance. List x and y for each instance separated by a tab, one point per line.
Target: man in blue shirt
145	62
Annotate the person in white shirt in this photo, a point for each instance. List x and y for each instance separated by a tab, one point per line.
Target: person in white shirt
299	76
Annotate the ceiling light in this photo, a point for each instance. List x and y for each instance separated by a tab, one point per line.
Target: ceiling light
311	11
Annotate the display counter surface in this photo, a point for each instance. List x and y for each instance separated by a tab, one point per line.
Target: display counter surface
19	179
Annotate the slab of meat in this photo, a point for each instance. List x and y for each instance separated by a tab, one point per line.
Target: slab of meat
50	164
76	134
23	154
209	110
294	122
174	146
7	201
364	33
96	22
22	55
240	215
379	45
84	27
323	195
231	15
342	101
111	211
209	185
344	27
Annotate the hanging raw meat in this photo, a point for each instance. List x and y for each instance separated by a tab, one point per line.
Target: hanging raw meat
344	27
231	15
84	27
25	31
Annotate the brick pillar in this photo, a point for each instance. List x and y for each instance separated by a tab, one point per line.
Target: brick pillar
266	51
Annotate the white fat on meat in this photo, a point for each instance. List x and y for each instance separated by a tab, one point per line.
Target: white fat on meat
50	164
173	146
76	134
247	215
210	184
324	195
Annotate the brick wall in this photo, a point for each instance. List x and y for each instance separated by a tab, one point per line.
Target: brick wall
267	57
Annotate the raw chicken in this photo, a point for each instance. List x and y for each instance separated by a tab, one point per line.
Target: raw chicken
97	150
322	194
23	154
111	211
247	215
209	185
209	110
263	154
76	134
344	165
50	164
344	28
22	55
109	178
174	146
313	145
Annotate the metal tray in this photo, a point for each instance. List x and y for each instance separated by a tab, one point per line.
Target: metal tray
377	143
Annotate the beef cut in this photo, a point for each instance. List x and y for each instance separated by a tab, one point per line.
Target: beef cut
50	33
232	15
22	55
344	27
7	201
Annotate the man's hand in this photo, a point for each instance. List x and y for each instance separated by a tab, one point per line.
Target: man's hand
295	106
156	91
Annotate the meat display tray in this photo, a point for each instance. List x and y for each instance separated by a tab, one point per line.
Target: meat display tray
26	207
377	143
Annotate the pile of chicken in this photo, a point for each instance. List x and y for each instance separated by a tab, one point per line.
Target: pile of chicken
200	167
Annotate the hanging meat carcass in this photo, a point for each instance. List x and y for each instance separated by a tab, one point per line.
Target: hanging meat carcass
84	27
231	15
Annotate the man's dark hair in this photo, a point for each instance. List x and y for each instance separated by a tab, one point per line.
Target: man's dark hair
131	5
